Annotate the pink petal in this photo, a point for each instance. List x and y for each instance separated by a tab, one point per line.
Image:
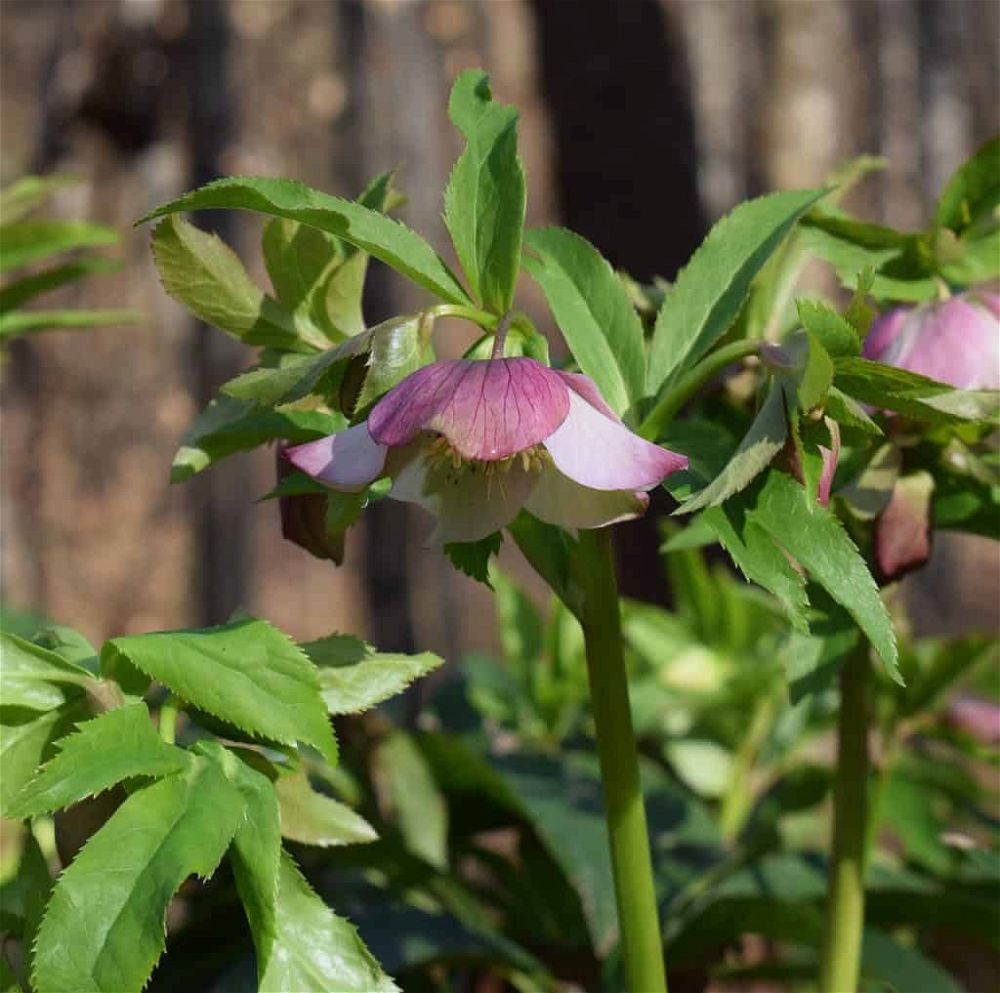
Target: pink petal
884	331
603	454
347	461
488	410
470	501
587	388
557	499
831	456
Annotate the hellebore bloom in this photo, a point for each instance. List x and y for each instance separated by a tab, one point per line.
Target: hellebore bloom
474	441
956	341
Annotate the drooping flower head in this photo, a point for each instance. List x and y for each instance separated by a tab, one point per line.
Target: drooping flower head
474	441
956	341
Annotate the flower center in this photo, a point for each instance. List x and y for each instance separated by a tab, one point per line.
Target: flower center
450	468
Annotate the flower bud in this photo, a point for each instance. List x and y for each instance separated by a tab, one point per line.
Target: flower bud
303	518
955	341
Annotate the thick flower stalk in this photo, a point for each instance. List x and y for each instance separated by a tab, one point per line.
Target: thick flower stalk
956	341
474	441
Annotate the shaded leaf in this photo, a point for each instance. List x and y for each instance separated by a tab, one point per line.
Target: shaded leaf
27	241
16	293
32	675
473	557
973	189
202	272
28	321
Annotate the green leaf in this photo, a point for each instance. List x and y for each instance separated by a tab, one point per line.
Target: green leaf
202	272
810	374
473	557
24	894
833	332
406	786
385	239
247	673
354	677
104	926
593	311
396	351
298	259
818	541
28	241
314	949
28	193
114	746
485	197
22	290
849	414
32	675
25	322
759	446
23	744
709	292
314	819
548	549
256	849
759	559
908	393
228	425
972	191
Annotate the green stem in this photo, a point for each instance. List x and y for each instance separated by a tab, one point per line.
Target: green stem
845	912
168	720
641	940
481	317
672	401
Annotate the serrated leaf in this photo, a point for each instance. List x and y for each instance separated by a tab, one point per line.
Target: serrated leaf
30	321
762	442
114	746
593	311
256	849
104	926
710	290
22	290
905	392
485	197
314	949
411	797
385	239
23	744
473	557
297	259
818	541
31	675
246	672
228	425
811	372
203	273
835	334
973	189
758	558
314	819
849	414
354	677
28	241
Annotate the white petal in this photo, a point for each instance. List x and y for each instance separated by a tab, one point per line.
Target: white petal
557	499
603	454
346	461
469	502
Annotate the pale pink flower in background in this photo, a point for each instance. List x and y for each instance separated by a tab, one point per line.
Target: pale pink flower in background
956	341
474	441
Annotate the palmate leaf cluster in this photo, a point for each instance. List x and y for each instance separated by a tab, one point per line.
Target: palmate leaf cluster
38	256
77	730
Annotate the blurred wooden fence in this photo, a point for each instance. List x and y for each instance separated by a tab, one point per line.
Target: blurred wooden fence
642	121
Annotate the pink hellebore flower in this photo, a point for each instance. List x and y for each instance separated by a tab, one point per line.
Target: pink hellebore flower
956	341
474	441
